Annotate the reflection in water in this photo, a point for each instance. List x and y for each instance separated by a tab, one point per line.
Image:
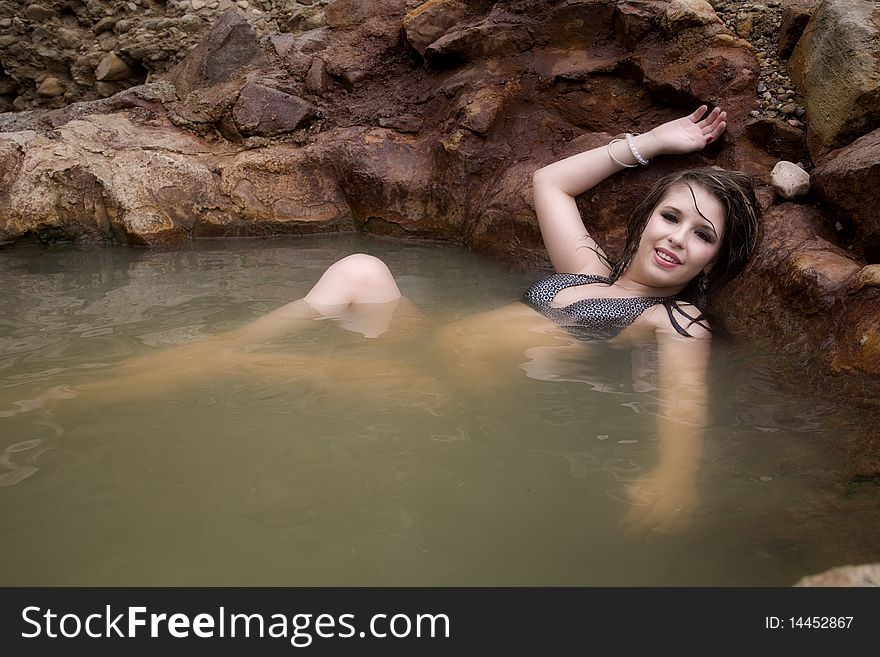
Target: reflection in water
266	472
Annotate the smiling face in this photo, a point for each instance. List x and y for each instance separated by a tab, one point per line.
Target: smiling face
680	240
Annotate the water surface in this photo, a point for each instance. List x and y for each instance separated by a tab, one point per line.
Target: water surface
255	475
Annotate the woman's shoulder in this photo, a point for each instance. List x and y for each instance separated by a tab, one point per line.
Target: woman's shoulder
679	318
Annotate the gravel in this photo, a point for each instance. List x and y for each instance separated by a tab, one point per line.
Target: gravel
759	23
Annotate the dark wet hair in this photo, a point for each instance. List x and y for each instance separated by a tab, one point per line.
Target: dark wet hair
734	191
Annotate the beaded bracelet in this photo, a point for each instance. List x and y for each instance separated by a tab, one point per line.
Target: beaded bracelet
632	147
611	155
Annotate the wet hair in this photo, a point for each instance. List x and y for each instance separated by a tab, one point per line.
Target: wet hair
742	213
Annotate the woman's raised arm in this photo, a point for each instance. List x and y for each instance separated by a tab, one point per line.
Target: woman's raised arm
555	186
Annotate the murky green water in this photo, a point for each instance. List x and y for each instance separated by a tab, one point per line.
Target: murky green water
254	475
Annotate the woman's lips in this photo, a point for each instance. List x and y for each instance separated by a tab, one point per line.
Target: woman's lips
666	264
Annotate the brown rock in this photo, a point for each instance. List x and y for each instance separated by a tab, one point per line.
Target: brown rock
795	16
856	346
317	79
814	274
230	48
50	87
409	123
112	67
841	89
281	189
778	138
635	18
431	20
392	187
268	112
848	180
350	13
485	39
693	71
869	276
480	110
687	14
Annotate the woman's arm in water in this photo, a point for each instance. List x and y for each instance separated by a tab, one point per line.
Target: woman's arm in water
555	186
665	499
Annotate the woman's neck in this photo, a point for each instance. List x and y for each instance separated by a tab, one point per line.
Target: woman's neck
631	283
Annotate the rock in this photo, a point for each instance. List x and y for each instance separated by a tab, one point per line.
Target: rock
795	16
848	180
268	112
633	19
479	111
349	13
487	38
789	180
317	79
38	13
50	87
392	186
686	14
841	90
848	576
112	67
777	138
409	123
430	21
856	346
869	276
279	188
229	49
799	291
694	72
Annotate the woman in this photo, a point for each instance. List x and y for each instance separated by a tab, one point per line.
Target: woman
688	237
692	234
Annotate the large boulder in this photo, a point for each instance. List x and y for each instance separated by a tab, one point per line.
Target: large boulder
796	15
268	112
430	21
836	66
848	180
229	49
110	177
802	291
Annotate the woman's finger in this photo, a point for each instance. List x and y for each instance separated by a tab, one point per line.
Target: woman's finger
711	118
695	117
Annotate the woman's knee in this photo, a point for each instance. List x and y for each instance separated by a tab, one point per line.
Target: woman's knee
358	278
363	267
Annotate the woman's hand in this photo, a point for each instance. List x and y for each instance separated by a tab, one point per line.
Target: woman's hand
690	133
662	502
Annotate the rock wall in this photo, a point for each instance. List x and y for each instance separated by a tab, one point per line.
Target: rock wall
426	119
56	52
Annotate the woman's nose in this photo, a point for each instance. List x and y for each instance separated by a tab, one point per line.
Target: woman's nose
677	237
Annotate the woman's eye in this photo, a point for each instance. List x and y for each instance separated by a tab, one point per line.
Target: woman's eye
704	236
670	217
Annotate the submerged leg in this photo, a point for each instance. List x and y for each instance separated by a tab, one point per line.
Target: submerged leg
358	290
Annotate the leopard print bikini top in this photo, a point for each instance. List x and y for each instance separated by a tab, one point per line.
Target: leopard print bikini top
591	319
